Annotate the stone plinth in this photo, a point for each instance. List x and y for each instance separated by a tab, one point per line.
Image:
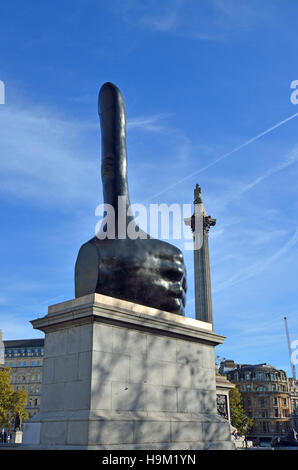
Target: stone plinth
118	375
18	436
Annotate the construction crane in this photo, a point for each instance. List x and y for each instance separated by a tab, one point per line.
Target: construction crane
290	351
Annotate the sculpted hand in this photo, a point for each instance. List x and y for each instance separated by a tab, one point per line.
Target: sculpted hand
147	271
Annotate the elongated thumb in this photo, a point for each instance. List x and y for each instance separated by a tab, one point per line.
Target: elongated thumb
112	117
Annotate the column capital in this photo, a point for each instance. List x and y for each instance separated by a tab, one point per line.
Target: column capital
208	222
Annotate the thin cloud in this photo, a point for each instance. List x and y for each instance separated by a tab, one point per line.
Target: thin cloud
16	326
210	20
162	23
289	160
225	155
148	123
46	159
44	156
255	269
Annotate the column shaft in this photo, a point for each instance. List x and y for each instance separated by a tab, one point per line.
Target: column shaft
203	297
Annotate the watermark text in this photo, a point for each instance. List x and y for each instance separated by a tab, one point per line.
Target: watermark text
164	221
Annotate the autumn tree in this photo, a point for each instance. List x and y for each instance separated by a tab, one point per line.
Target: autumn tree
11	402
19	401
239	419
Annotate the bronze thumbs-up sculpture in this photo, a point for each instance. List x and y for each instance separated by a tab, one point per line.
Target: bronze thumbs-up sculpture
144	270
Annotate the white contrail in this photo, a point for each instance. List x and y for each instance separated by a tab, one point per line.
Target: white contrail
256	268
253	139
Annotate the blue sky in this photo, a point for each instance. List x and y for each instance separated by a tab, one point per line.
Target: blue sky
200	78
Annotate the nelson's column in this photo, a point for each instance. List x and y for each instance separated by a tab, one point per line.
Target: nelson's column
200	224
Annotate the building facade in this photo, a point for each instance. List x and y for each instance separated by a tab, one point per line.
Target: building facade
266	398
25	358
293	386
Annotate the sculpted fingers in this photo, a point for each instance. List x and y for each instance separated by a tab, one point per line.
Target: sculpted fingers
171	270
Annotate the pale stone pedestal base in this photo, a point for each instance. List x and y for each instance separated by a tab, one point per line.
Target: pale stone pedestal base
18	435
118	375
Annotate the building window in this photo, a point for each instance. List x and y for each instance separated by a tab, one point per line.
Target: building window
265	426
274	401
277	427
276	413
273	388
262	402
